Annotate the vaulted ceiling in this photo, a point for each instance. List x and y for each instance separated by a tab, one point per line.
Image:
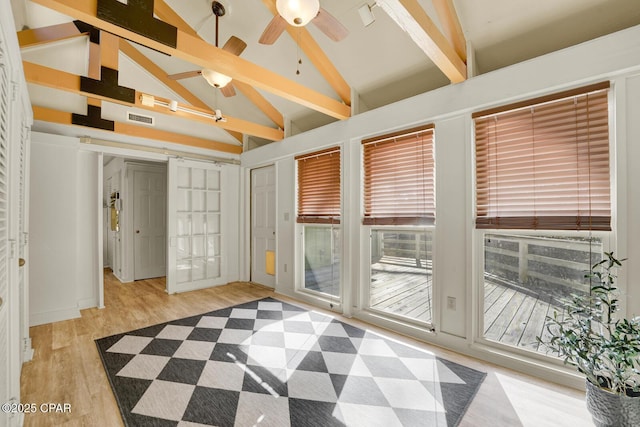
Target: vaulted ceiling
85	77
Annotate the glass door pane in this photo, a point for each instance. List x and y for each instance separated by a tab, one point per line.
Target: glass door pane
194	221
526	278
401	273
322	259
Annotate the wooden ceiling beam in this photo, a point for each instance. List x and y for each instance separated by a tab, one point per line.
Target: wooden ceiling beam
204	55
109	50
448	16
163	11
261	102
52	33
316	55
413	19
168	15
64	118
61	80
136	56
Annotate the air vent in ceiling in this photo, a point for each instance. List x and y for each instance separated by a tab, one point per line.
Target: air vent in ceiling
139	118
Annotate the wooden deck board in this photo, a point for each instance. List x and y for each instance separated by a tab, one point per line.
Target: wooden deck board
535	325
514	330
505	316
401	288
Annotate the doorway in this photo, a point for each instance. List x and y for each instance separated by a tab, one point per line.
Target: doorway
263	226
135	209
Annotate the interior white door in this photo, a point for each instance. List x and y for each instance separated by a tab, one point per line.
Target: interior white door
149	224
196	254
263	224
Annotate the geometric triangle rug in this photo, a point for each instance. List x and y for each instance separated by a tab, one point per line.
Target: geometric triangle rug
271	363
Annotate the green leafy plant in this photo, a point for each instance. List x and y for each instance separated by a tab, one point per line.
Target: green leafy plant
589	337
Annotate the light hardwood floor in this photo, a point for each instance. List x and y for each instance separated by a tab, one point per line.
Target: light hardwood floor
66	367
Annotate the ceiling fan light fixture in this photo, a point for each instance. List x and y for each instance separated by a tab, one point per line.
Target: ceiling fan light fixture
215	79
298	12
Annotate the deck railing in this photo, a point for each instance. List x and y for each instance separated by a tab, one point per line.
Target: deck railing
541	262
415	245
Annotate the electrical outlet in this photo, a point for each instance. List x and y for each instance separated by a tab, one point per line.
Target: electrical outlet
451	303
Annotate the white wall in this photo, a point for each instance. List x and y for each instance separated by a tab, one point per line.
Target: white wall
631	134
615	57
53	216
87	270
64	264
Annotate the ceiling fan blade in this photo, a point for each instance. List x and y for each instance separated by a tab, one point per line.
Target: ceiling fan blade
273	30
329	25
228	90
185	75
234	45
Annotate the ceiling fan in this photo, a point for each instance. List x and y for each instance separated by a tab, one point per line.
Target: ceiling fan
234	45
299	13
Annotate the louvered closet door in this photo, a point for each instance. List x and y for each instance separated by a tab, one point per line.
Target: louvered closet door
23	248
4	249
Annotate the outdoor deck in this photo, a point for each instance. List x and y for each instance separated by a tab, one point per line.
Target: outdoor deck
512	316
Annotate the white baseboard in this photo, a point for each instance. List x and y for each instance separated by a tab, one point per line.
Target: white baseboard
87	303
36	319
27	350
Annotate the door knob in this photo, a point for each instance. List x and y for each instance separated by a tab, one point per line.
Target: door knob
21	262
137	231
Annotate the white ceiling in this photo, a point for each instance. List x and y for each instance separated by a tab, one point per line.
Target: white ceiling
380	62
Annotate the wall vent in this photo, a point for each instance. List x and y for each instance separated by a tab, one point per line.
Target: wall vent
140	118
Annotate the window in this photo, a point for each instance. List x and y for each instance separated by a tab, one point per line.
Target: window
399	179
319	213
399	206
542	207
545	165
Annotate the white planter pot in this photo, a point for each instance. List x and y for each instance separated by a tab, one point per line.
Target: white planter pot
612	410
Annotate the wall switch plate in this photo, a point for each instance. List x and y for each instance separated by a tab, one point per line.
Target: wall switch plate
451	303
285	268
286	216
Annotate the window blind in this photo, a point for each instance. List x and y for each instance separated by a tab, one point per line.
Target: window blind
319	187
544	164
399	178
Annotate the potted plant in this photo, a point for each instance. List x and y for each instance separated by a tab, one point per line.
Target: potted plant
604	348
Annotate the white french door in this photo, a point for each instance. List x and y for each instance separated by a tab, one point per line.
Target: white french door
263	225
196	254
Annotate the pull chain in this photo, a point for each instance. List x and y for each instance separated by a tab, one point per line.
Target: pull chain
298	52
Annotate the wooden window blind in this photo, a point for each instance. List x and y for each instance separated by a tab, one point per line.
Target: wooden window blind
399	178
319	187
544	164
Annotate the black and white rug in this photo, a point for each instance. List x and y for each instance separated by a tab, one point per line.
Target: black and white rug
270	363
